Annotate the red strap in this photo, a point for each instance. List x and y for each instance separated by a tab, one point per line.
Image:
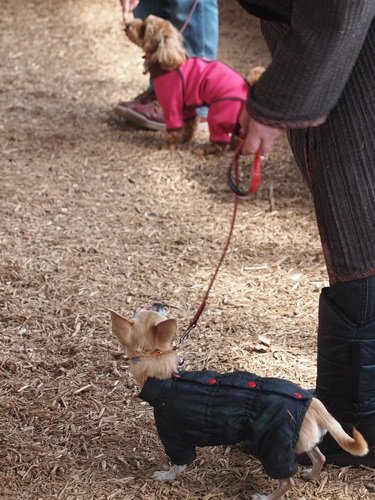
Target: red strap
257	173
255	177
253	187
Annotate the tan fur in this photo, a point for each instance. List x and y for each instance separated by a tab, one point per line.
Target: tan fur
163	46
145	333
254	74
318	418
149	337
175	137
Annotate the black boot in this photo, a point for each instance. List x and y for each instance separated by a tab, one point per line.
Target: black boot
346	364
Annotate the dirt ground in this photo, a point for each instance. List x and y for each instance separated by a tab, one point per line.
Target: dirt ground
96	215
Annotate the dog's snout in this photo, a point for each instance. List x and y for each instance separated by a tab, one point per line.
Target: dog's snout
159	308
127	26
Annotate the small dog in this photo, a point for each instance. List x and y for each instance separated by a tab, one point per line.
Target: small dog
206	408
182	84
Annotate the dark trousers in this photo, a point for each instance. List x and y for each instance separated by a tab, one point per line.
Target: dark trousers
337	160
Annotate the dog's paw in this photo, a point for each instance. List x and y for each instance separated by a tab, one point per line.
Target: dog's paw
173	138
163	475
215	149
259	496
308	475
169	475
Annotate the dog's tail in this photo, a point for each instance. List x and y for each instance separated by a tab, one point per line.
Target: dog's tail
254	74
356	445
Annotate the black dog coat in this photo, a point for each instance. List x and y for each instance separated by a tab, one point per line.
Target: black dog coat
208	409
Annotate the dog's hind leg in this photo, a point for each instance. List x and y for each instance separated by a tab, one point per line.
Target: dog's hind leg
283	487
318	460
169	475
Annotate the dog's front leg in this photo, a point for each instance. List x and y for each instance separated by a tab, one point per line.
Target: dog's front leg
169	475
283	487
173	138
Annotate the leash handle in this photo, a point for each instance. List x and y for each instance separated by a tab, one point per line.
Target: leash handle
255	177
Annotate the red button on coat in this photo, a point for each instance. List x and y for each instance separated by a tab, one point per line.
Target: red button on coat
252	384
212	381
298	395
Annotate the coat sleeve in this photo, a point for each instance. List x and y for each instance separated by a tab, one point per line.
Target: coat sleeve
313	57
176	447
169	92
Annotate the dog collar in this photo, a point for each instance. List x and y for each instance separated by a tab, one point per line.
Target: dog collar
136	359
153	354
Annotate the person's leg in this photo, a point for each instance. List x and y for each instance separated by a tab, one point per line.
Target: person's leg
158	8
201	32
346	363
337	160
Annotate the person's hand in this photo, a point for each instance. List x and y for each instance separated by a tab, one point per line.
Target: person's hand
257	137
127	7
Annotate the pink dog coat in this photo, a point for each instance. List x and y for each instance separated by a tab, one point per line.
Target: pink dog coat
199	82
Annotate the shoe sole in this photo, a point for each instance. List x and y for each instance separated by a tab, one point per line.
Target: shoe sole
139	119
120	110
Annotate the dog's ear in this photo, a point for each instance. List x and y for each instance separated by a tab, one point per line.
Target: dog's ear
170	53
121	327
151	33
166	331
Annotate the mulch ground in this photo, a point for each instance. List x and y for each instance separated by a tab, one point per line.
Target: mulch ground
97	215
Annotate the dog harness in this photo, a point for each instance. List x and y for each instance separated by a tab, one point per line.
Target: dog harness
199	82
207	408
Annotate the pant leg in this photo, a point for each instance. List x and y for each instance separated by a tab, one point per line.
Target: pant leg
346	349
202	31
158	8
337	160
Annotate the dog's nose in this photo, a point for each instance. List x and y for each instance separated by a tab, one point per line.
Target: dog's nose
127	26
159	308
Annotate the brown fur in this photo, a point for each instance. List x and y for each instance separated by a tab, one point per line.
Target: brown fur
160	41
164	50
149	337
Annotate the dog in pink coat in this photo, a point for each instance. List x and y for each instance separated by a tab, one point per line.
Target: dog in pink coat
183	83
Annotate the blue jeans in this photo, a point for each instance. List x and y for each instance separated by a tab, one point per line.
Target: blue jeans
202	31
